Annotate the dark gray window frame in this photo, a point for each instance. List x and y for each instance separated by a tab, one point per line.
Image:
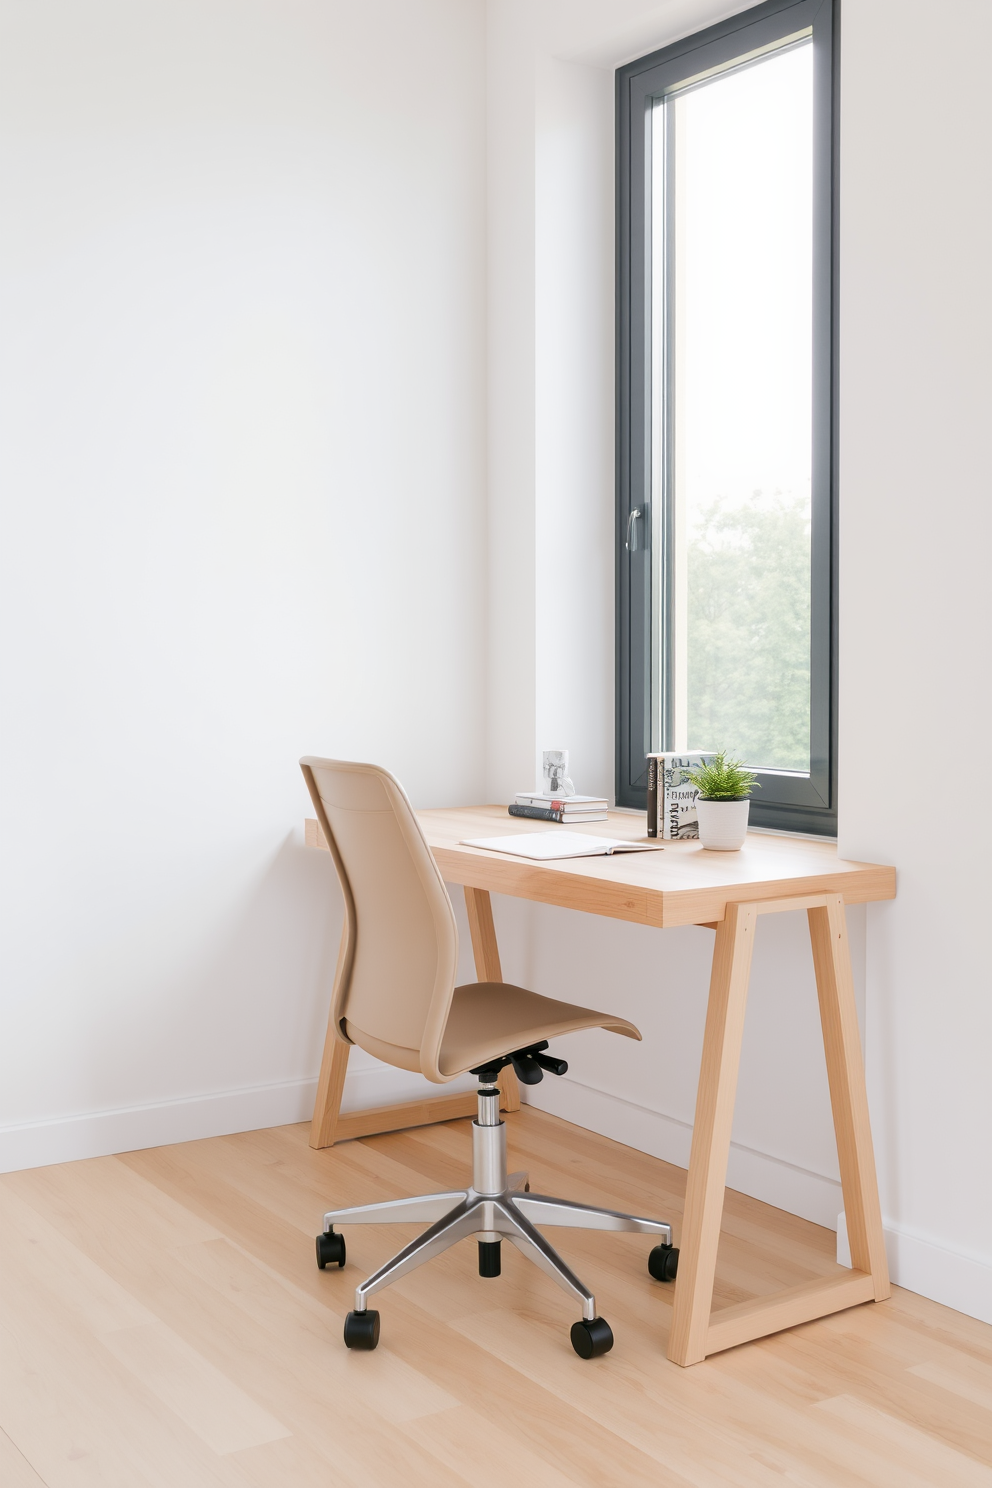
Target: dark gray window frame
790	802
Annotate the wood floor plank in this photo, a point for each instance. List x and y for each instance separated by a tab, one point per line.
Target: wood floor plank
15	1469
41	1254
356	1460
472	1444
65	1192
852	1358
910	1450
970	1381
80	1421
220	1413
942	1325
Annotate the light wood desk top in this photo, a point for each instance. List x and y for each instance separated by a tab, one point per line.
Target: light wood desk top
682	884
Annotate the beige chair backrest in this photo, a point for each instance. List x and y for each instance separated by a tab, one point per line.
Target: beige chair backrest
399	951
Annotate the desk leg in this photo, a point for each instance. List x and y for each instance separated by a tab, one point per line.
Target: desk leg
711	1134
848	1095
479	909
696	1332
330	1087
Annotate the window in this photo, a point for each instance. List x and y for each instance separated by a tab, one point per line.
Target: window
726	441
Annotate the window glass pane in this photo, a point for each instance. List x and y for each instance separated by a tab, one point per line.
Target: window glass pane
738	294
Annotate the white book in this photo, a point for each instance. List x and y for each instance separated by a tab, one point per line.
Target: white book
543	846
584	816
562	803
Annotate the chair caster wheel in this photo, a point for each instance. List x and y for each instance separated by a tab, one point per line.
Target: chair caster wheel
361	1330
663	1262
589	1340
330	1248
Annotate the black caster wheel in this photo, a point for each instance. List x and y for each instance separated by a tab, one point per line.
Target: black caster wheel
663	1262
589	1340
361	1329
330	1248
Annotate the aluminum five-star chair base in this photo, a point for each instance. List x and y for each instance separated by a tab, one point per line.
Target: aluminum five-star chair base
496	1207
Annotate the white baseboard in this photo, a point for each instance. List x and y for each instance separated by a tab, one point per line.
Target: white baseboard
961	1281
38	1144
797	1190
370	1083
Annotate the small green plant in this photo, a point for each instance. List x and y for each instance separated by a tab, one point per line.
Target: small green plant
723	780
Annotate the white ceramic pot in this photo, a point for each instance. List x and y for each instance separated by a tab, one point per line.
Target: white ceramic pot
722	824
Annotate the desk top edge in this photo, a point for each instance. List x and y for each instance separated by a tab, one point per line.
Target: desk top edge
620	886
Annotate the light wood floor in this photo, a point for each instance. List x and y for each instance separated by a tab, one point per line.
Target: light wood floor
162	1322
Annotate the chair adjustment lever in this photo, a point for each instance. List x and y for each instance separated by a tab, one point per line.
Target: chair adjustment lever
530	1065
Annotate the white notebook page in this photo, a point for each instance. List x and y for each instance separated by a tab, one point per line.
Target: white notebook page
543	846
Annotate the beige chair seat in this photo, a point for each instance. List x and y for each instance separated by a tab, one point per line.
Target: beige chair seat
489	1019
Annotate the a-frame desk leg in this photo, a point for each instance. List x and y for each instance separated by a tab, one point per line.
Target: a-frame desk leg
848	1095
696	1331
711	1134
333	1062
330	1087
479	909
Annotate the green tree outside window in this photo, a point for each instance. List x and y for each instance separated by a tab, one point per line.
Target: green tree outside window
749	631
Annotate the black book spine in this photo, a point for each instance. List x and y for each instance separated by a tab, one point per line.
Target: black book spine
537	813
652	796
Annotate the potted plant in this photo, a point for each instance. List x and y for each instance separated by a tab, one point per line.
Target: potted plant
723	802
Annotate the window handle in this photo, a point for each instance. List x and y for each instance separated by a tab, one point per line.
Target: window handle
631	543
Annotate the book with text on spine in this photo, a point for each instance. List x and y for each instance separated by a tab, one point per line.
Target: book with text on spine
671	794
551	812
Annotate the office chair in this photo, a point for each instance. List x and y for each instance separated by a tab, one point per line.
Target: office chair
395	996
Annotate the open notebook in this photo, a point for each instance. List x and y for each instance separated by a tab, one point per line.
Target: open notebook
558	844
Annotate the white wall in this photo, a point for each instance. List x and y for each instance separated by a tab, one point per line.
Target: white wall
915	312
916	615
242	376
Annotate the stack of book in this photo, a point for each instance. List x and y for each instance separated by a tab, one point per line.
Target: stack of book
672	795
539	806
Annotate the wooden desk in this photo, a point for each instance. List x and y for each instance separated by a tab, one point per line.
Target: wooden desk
727	892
